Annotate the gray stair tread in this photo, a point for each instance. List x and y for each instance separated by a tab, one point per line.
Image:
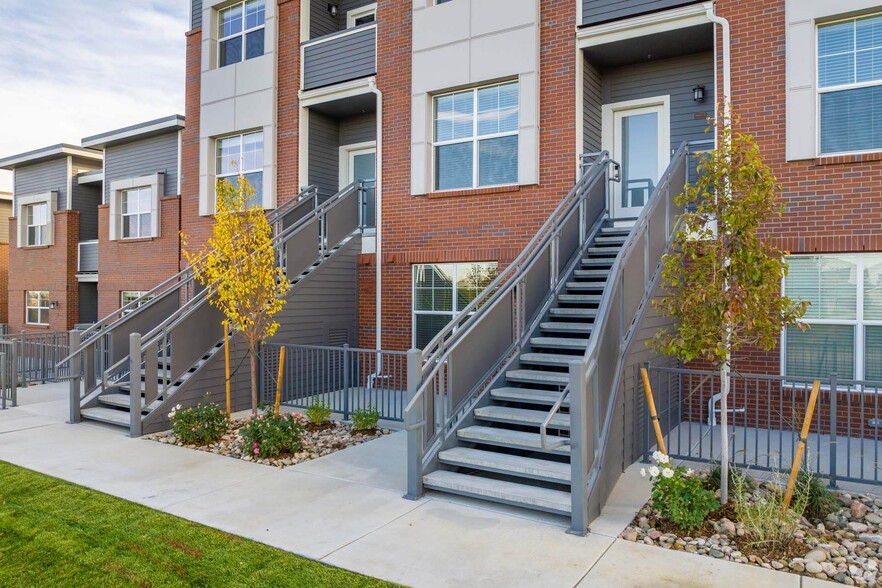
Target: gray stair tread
591	273
611	250
559	343
567	327
579	297
595	262
584	312
549	358
498	490
117	399
617	239
523	416
538	376
106	415
515	465
586	285
509	438
527	395
616	230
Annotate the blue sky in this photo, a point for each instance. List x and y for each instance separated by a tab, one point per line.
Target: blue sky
73	68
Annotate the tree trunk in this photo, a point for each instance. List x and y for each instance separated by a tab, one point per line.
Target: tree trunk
724	432
253	382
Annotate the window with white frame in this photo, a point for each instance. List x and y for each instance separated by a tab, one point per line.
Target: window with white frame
37	221
242	154
361	15
37	307
845	316
476	137
129	296
441	291
136	212
850	84
240	32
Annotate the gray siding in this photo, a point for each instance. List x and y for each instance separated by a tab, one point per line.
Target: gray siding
141	158
88	302
43	177
195	14
358	129
674	77
338	60
87	262
86	199
597	11
593	99
324	153
322	23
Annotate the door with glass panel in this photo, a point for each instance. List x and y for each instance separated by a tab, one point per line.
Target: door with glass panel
363	168
636	133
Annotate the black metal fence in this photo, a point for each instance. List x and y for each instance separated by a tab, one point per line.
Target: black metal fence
36	355
8	384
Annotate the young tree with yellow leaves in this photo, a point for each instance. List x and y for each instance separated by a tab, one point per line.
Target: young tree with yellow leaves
238	268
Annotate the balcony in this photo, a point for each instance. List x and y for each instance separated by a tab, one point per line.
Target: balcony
340	57
87	262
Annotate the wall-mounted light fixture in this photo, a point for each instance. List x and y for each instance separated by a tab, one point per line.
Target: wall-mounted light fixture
698	93
333	9
53	304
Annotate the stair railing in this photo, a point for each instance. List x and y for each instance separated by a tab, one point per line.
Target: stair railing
447	376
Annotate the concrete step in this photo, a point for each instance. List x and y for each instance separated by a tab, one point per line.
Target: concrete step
533	497
574	312
559	343
504	463
527	396
553	359
537	377
583	298
106	415
554	327
500	437
521	416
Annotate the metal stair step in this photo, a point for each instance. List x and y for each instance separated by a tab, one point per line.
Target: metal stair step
527	396
559	343
554	359
574	312
597	262
579	298
120	401
567	327
615	231
604	251
524	495
593	273
500	437
521	416
611	240
538	377
106	415
595	286
505	463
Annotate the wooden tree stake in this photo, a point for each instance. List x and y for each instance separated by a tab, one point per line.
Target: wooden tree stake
227	363
652	413
797	459
279	378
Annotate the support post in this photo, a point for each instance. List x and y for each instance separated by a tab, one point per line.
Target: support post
346	381
75	378
226	325
653	415
279	378
833	440
3	381
415	424
800	448
135	385
580	448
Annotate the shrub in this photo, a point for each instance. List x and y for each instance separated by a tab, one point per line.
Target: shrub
679	494
319	413
204	423
365	419
819	502
767	522
270	434
712	480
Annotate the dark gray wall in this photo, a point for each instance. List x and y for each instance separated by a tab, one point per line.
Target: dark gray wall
324	153
86	199
322	23
88	261
338	60
195	14
597	11
358	129
143	157
593	99
42	177
88	296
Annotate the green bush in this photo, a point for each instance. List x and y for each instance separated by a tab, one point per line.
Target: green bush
767	522
270	434
319	413
365	419
204	423
712	480
679	494
819	502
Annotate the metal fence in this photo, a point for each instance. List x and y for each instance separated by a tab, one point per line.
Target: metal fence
765	415
8	384
346	378
37	354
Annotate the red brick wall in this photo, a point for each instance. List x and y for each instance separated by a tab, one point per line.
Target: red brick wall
288	106
136	264
4	282
52	268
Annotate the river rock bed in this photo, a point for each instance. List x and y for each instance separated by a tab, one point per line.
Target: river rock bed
844	548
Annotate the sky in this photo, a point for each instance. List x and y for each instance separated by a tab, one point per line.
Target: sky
74	68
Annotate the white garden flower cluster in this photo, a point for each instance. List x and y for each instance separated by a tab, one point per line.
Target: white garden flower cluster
665	471
171	415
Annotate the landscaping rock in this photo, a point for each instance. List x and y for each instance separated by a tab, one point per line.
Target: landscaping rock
858	509
817	555
813	567
858	527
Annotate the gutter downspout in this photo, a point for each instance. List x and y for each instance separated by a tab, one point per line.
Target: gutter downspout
379	221
727	58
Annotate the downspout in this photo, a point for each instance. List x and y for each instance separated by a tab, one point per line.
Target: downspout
727	60
378	199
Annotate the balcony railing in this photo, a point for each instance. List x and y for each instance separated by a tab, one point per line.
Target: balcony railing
88	257
340	57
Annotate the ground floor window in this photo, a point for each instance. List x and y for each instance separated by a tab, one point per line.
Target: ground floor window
129	296
441	291
37	307
845	317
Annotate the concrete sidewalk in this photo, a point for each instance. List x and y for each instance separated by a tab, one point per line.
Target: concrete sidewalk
347	510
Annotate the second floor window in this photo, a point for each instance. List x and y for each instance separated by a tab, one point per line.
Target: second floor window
242	154
850	85
37	218
240	32
476	137
136	215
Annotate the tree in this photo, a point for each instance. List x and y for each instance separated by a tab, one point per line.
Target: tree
238	267
722	282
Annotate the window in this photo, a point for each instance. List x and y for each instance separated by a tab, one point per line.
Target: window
845	316
37	307
441	291
135	205
362	15
476	137
242	154
129	296
240	24
37	220
850	84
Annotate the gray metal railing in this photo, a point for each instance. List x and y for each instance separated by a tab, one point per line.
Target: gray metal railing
8	379
37	355
765	415
345	378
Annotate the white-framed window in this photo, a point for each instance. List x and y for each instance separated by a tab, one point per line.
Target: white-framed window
37	307
850	85
136	205
240	33
441	291
242	154
845	317
129	296
361	15
37	221
475	137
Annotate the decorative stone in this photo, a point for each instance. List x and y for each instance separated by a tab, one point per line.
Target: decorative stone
797	566
629	534
817	555
858	509
873	519
813	567
858	527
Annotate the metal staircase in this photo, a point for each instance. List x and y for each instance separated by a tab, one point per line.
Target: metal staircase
519	399
165	337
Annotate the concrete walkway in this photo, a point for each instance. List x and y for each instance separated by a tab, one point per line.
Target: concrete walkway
346	510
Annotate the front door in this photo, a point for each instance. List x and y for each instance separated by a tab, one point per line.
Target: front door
363	167
638	139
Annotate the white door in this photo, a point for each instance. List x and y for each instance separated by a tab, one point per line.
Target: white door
637	135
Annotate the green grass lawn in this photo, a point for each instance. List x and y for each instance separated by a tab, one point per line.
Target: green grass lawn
53	533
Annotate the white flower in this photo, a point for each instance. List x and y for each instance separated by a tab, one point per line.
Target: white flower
171	415
690	471
178	407
668	473
657	456
662	458
643	472
653	471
